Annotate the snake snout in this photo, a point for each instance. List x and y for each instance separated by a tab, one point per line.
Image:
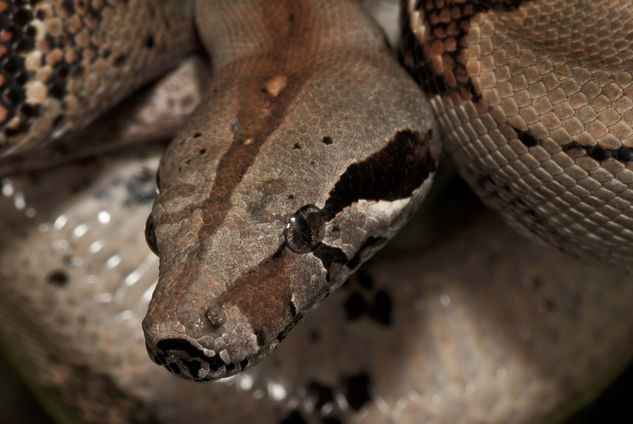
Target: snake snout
183	358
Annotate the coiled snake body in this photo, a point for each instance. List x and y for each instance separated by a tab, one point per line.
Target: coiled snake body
311	149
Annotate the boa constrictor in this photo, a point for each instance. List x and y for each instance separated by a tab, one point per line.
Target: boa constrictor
314	147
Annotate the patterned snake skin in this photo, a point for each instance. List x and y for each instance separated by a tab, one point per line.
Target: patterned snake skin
65	62
480	335
536	100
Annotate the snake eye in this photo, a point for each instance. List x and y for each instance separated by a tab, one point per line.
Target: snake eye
305	229
150	235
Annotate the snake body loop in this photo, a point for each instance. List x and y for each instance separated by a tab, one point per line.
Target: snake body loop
536	100
65	62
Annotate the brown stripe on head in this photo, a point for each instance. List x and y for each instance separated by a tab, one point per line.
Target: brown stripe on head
259	116
264	297
263	101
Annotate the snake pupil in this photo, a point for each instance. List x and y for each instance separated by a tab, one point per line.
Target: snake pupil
305	229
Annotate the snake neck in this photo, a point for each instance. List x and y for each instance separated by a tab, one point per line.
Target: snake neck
294	32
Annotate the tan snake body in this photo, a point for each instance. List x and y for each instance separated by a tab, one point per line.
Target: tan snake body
283	73
536	98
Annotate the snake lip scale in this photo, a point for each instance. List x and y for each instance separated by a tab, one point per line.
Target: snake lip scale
313	146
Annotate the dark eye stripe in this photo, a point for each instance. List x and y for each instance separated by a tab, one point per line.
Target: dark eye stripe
330	256
391	173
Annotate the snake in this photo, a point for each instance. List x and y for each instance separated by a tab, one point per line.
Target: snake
313	146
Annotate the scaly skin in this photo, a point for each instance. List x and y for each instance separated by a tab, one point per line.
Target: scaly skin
66	62
307	107
536	101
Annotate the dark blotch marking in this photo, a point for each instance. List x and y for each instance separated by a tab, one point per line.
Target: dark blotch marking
21	79
314	335
243	363
526	138
120	60
22	17
12	65
15	25
330	256
423	71
391	173
355	306
327	140
58	89
364	279
15	95
296	146
293	309
149	41
141	187
58	278
261	338
357	390
319	393
624	154
202	151
599	153
381	308
294	417
68	7
25	44
197	135
30	111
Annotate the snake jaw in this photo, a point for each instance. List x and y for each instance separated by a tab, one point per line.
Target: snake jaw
211	357
187	358
184	358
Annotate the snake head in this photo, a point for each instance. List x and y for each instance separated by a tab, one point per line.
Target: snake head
285	180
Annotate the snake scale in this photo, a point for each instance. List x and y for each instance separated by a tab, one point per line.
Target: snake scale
311	148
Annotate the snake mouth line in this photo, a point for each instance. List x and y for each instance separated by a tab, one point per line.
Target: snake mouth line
186	360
